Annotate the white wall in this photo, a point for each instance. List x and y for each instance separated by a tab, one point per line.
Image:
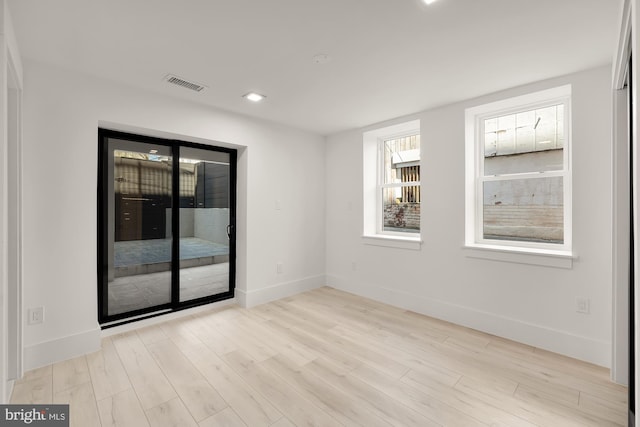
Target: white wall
527	303
62	112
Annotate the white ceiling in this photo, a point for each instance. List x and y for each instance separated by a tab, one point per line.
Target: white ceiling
388	58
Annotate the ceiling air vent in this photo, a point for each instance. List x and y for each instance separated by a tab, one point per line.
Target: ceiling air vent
184	83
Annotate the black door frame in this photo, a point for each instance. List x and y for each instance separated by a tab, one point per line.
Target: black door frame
107	321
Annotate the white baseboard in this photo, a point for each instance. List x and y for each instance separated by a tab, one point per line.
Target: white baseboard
48	352
558	341
249	299
53	351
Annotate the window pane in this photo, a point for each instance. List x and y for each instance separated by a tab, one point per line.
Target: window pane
400	155
204	217
530	210
139	235
401	204
401	209
528	141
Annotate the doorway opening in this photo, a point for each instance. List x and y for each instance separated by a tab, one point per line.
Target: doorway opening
166	225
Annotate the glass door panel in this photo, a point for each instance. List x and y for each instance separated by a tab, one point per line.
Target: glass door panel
205	223
139	236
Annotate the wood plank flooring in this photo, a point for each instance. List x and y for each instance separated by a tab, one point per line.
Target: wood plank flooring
323	358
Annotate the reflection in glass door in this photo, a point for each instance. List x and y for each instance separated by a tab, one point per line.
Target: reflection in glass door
204	222
138	239
160	249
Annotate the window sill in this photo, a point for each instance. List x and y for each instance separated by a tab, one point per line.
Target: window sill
546	258
398	242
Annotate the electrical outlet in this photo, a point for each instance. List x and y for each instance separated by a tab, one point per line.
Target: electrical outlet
36	315
354	265
582	305
279	268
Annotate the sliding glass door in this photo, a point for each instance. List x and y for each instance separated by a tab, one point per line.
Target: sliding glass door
205	222
138	241
166	225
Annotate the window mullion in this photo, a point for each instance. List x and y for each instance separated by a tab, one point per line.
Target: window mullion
400	184
529	175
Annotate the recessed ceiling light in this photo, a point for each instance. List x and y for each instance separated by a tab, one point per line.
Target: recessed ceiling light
255	97
429	1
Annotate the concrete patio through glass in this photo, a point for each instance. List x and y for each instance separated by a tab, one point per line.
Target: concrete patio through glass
142	272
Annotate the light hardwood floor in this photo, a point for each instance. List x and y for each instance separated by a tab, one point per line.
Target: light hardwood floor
323	358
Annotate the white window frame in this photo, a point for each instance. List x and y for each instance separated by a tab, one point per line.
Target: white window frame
373	177
474	166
